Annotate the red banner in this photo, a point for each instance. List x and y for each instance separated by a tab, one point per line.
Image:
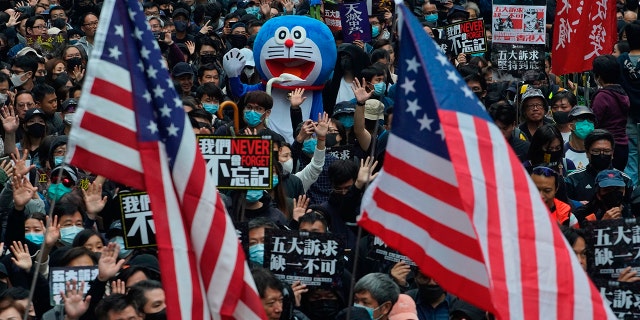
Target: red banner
583	31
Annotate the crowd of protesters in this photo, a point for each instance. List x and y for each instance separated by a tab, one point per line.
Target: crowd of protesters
579	142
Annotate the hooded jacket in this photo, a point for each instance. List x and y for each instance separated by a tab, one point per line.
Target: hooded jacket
631	83
611	107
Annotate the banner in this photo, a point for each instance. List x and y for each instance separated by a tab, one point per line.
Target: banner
315	259
467	36
355	22
58	276
613	246
380	251
332	16
622	297
518	24
138	227
581	33
517	58
243	162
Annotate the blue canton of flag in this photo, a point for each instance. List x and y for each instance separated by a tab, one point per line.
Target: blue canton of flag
158	108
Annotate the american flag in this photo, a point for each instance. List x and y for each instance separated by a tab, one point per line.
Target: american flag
454	198
131	128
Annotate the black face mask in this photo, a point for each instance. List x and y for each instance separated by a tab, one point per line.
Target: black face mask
322	309
238	41
430	293
161	315
554	156
40	80
331	139
612	199
561	117
36	130
207	59
336	199
181	26
600	162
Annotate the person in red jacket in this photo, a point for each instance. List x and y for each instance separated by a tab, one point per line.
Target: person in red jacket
547	181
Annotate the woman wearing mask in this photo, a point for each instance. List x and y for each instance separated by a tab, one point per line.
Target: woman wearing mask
35	129
75	59
611	106
546	149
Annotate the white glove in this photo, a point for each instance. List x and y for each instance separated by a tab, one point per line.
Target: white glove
233	63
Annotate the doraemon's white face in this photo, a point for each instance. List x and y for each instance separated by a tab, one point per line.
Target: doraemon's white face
290	51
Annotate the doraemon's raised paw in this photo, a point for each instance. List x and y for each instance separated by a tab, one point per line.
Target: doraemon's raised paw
233	63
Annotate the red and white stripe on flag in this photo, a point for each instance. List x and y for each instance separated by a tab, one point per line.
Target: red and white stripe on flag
203	267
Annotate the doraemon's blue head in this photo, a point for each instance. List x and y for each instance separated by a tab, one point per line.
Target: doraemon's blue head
297	45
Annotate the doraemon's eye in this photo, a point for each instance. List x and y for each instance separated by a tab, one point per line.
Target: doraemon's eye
281	35
299	34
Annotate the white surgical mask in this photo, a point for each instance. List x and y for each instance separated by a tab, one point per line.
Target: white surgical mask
287	166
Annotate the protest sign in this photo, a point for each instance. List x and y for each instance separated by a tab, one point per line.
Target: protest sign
315	259
613	246
467	36
517	58
519	24
341	152
622	297
137	220
380	251
332	16
58	276
238	162
46	44
355	22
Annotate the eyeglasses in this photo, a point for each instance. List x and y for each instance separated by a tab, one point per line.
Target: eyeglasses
204	125
536	106
545	171
39	27
64	180
597	152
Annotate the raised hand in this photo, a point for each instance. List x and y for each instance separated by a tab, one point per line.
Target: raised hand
52	233
365	174
297	98
23	191
108	265
93	199
20	163
360	91
233	63
308	128
399	273
74	305
191	46
322	128
21	257
7	167
300	206
10	122
118	286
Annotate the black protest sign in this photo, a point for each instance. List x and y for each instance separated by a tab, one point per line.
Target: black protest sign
315	259
380	251
517	59
238	162
613	245
58	276
467	36
342	152
137	220
622	297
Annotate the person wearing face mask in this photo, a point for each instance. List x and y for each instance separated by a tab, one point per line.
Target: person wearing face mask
35	130
238	37
611	106
249	74
210	97
181	21
600	146
256	109
582	123
430	13
149	298
23	72
376	293
561	104
68	112
609	199
256	228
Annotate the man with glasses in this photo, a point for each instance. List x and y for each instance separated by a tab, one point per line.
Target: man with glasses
57	12
533	108
581	183
23	72
36	26
89	26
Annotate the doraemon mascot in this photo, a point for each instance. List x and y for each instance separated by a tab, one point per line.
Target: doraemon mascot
297	45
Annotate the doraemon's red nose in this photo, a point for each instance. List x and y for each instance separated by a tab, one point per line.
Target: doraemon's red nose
288	43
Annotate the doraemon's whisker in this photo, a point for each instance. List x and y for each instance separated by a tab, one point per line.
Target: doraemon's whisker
303	51
301	56
271	51
275	55
304	47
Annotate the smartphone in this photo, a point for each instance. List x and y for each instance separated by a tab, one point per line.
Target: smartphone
73	63
207	19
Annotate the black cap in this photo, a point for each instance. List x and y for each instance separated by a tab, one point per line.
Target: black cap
146	261
181	11
344	107
180	69
32	113
69	105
